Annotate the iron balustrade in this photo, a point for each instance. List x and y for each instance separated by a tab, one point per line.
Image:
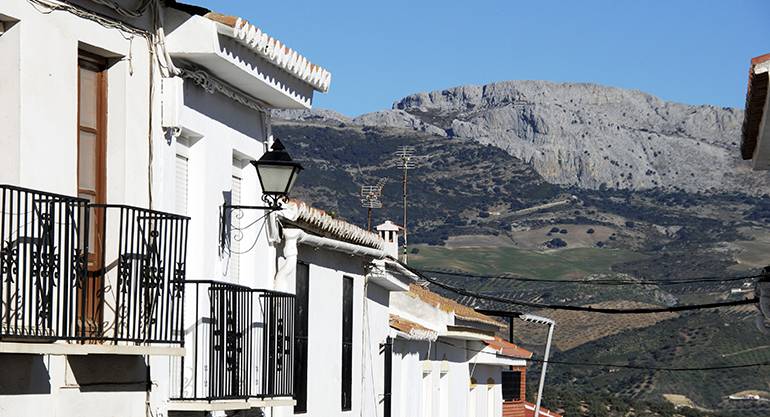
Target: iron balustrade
240	345
70	270
42	263
141	263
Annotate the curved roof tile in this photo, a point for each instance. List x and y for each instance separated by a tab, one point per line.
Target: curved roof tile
274	51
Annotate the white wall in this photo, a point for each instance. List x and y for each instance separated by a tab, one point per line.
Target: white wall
38	150
10	105
39	86
219	128
38	121
377	329
325	330
409	362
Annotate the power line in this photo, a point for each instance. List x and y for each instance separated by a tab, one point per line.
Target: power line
607	365
466	292
595	281
654	368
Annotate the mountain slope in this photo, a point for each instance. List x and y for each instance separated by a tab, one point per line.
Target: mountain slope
496	214
590	135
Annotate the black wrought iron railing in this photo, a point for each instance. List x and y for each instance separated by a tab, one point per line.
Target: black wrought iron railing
241	345
42	263
70	270
141	265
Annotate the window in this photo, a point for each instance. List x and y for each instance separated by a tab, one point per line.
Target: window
301	336
511	385
92	114
237	235
181	181
91	168
347	343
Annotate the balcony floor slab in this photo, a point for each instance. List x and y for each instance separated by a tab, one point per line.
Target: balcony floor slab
78	349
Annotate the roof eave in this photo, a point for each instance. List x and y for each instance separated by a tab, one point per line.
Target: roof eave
199	43
755	138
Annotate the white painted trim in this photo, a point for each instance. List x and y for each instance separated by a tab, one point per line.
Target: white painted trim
73	349
469	333
222	405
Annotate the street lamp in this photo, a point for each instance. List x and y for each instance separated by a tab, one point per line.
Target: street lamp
277	173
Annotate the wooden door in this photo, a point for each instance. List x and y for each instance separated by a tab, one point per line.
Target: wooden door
92	111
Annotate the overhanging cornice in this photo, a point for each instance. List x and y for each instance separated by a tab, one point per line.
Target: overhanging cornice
199	42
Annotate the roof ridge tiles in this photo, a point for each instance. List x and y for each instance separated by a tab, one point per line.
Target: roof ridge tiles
273	50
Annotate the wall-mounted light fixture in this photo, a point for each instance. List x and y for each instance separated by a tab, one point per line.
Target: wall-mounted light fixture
277	173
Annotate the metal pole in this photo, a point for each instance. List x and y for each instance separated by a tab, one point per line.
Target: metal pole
551	324
405	252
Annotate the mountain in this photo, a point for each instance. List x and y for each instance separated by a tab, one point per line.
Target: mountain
551	182
586	135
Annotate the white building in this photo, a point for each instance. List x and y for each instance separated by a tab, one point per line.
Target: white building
128	286
140	272
448	362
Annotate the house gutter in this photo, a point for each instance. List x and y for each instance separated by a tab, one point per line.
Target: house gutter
336	245
294	237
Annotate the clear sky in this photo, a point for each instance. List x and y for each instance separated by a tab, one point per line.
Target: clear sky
695	52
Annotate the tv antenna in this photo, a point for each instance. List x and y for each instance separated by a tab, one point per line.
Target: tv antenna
371	195
406	154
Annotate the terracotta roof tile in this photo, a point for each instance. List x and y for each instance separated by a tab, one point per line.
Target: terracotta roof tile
755	106
320	223
411	328
508	349
222	18
450	306
273	50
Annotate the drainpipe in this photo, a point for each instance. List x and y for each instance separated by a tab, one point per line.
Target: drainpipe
290	260
551	324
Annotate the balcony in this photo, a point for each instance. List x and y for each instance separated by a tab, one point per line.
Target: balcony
97	276
239	348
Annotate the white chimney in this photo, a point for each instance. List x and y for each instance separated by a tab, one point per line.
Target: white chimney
389	232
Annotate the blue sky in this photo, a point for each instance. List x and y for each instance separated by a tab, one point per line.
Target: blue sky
695	52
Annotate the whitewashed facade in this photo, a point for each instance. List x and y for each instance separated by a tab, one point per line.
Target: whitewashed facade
447	360
137	278
127	126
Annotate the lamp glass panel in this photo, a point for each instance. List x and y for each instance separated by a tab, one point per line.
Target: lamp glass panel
275	179
294	172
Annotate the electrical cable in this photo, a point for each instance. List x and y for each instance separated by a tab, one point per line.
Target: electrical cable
463	291
593	282
606	365
654	368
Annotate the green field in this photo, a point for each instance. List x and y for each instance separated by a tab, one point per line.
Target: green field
552	264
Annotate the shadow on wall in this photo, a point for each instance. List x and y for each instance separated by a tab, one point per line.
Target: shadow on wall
24	374
109	373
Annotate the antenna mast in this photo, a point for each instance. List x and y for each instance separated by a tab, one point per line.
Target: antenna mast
371	194
406	153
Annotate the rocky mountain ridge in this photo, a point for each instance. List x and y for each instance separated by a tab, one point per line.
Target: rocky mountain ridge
581	134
